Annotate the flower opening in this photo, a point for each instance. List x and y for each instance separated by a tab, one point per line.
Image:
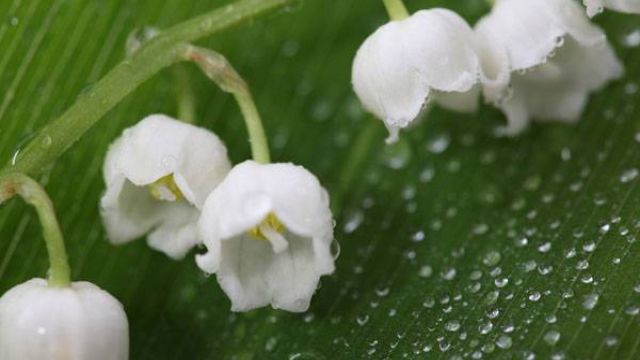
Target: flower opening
166	189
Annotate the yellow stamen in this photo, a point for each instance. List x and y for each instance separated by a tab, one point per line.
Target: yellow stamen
270	221
166	189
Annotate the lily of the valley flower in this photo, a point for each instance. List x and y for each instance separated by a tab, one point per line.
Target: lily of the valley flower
158	175
79	322
595	7
430	56
556	55
268	230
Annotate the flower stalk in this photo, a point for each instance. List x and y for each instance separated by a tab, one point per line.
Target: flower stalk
167	48
35	195
396	9
219	70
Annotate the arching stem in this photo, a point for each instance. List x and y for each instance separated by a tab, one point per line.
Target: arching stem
35	195
218	69
167	48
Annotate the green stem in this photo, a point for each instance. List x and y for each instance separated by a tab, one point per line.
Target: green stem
357	157
184	95
218	69
396	9
35	195
257	136
163	50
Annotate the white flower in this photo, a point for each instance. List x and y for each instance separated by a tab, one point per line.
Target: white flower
430	56
595	7
556	55
268	230
158	175
80	322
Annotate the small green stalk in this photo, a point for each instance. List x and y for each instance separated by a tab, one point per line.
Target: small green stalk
35	195
184	95
218	69
396	9
167	48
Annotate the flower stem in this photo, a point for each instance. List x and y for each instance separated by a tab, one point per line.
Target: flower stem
355	160
35	195
218	69
396	9
184	95
163	50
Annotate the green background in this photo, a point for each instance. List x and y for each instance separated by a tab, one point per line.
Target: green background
454	244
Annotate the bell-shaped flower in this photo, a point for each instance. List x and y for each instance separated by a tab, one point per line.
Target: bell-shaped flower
405	64
158	175
595	7
556	56
268	230
78	322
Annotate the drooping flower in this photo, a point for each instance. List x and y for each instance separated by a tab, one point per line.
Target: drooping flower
268	230
557	58
77	322
430	56
158	175
595	7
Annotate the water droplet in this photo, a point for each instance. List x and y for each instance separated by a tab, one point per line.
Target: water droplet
427	174
629	175
492	258
590	301
169	163
418	236
632	310
438	144
543	248
382	292
425	271
485	327
504	342
452	325
448	273
362	319
632	38
521	242
397	156
611	341
353	221
428	303
480	229
552	337
534	296
582	265
529	266
501	282
138	37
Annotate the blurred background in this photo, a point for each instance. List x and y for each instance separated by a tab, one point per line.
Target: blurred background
454	243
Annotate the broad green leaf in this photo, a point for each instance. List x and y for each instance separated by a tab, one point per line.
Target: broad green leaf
454	243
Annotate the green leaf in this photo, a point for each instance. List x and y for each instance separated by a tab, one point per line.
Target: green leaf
454	243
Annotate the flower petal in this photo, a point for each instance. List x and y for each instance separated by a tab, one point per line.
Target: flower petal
159	146
253	276
282	269
177	231
531	31
78	322
397	68
595	7
559	89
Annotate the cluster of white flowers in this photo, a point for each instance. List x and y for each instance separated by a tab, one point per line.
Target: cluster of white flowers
534	60
268	228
